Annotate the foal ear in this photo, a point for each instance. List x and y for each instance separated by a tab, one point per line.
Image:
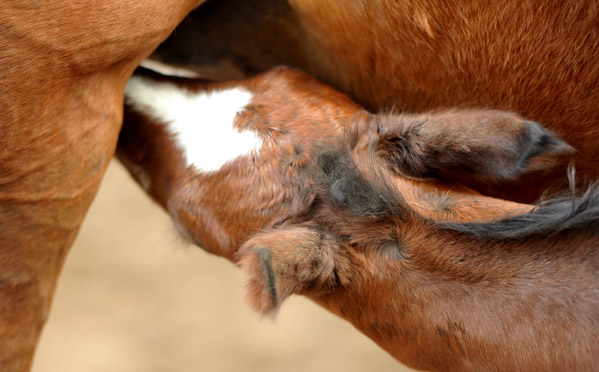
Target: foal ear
487	145
281	262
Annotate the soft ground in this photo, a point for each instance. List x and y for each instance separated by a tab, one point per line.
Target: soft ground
133	297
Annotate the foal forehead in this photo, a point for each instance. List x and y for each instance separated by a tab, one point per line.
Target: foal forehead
201	123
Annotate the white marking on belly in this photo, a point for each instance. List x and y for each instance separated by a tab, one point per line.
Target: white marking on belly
201	123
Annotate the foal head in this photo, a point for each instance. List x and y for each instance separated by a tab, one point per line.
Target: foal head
324	199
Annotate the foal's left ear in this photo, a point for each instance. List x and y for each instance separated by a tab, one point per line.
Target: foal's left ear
487	145
284	261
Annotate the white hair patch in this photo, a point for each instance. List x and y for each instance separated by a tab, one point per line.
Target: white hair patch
201	123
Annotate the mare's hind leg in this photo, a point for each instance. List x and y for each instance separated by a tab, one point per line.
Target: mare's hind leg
48	179
64	68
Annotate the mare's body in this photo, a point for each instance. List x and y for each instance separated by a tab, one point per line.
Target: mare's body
536	58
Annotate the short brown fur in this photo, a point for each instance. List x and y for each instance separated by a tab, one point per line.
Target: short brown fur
326	209
64	68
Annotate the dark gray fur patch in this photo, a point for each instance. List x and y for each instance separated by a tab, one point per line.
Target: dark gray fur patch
349	189
536	140
269	274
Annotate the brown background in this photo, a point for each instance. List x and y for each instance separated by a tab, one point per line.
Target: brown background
134	297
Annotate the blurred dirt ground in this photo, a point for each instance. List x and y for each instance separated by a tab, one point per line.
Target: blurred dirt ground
134	297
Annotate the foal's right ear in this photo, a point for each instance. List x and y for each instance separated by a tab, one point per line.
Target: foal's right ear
486	145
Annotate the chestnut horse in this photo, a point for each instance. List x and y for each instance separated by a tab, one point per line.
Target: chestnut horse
533	57
362	213
64	68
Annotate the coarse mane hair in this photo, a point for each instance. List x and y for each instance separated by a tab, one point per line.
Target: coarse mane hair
547	218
